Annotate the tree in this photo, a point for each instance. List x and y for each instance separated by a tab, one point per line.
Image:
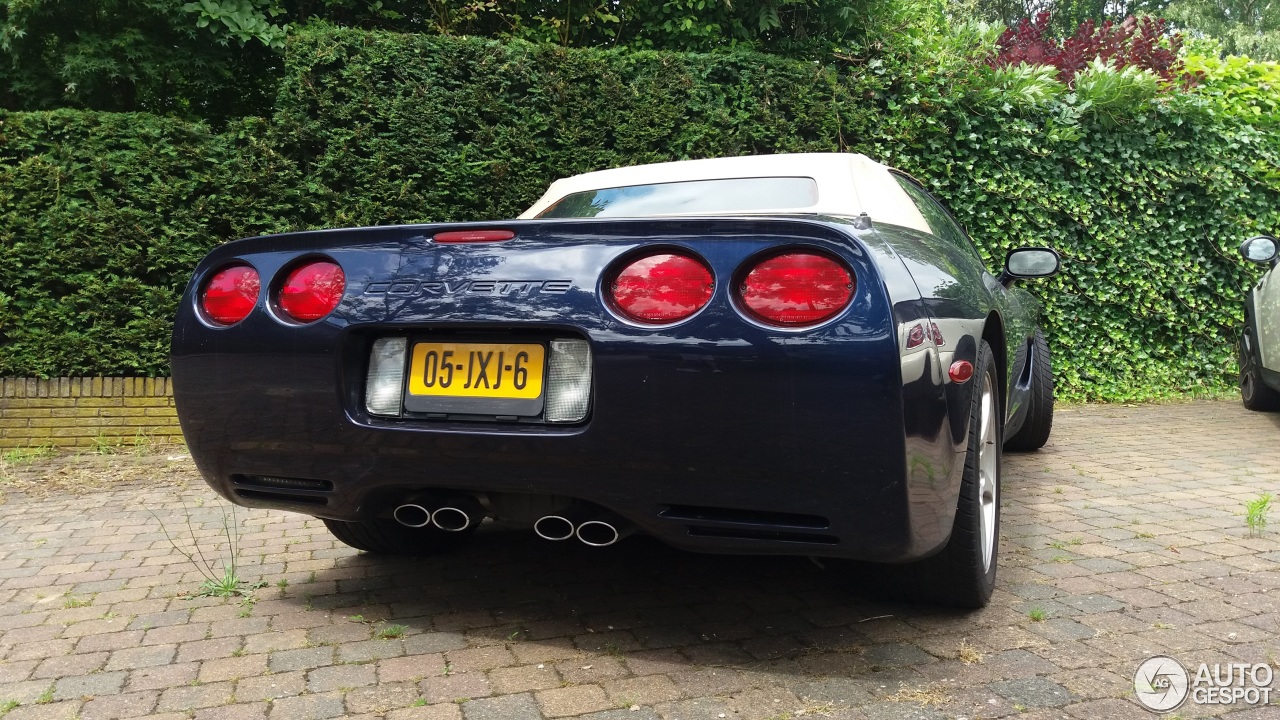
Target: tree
127	55
1243	27
220	58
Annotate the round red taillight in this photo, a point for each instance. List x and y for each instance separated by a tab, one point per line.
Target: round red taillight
661	289
312	290
798	288
229	296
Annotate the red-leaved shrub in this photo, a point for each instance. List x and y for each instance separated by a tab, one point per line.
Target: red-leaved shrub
1132	42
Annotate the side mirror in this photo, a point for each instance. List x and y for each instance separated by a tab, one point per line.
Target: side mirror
1259	249
1026	263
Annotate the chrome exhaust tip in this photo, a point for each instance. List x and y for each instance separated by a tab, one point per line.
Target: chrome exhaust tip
553	527
598	533
458	514
411	515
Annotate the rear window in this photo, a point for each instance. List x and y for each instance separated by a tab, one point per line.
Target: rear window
738	195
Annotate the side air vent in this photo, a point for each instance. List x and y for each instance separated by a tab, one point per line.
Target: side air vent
766	535
693	513
283	483
294	491
281	497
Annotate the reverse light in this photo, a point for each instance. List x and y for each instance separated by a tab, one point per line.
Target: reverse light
796	289
568	381
385	382
312	290
231	294
661	289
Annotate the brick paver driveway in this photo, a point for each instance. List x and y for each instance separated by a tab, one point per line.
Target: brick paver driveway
1124	538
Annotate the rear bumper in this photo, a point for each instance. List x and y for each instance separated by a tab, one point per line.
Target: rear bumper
716	436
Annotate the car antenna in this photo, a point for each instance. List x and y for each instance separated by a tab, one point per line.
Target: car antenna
862	222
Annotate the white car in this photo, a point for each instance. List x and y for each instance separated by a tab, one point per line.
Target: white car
1260	341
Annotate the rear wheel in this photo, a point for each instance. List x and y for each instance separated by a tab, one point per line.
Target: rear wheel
1035	429
1255	393
964	573
387	537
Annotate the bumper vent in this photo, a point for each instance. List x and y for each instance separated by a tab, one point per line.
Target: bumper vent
293	491
760	525
766	535
745	517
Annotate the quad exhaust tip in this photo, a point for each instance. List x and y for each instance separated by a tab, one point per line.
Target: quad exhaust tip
412	515
454	514
554	527
598	533
458	513
451	519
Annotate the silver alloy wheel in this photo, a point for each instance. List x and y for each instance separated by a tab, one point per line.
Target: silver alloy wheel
988	467
1247	369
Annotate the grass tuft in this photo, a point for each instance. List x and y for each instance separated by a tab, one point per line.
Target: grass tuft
392	631
1255	513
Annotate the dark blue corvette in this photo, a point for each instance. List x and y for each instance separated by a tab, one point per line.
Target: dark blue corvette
791	354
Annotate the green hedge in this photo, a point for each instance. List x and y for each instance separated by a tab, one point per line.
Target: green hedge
397	128
101	217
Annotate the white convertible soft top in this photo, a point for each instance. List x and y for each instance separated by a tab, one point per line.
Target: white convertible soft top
848	184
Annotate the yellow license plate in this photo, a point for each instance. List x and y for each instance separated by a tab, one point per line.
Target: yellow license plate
477	370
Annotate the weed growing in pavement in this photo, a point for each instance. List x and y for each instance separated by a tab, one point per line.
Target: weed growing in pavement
7	705
392	631
74	602
102	445
24	455
921	696
145	444
1036	614
46	697
1255	513
968	654
247	603
217	583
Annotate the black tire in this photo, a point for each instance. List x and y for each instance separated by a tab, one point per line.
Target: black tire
1035	429
387	537
960	575
1254	393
